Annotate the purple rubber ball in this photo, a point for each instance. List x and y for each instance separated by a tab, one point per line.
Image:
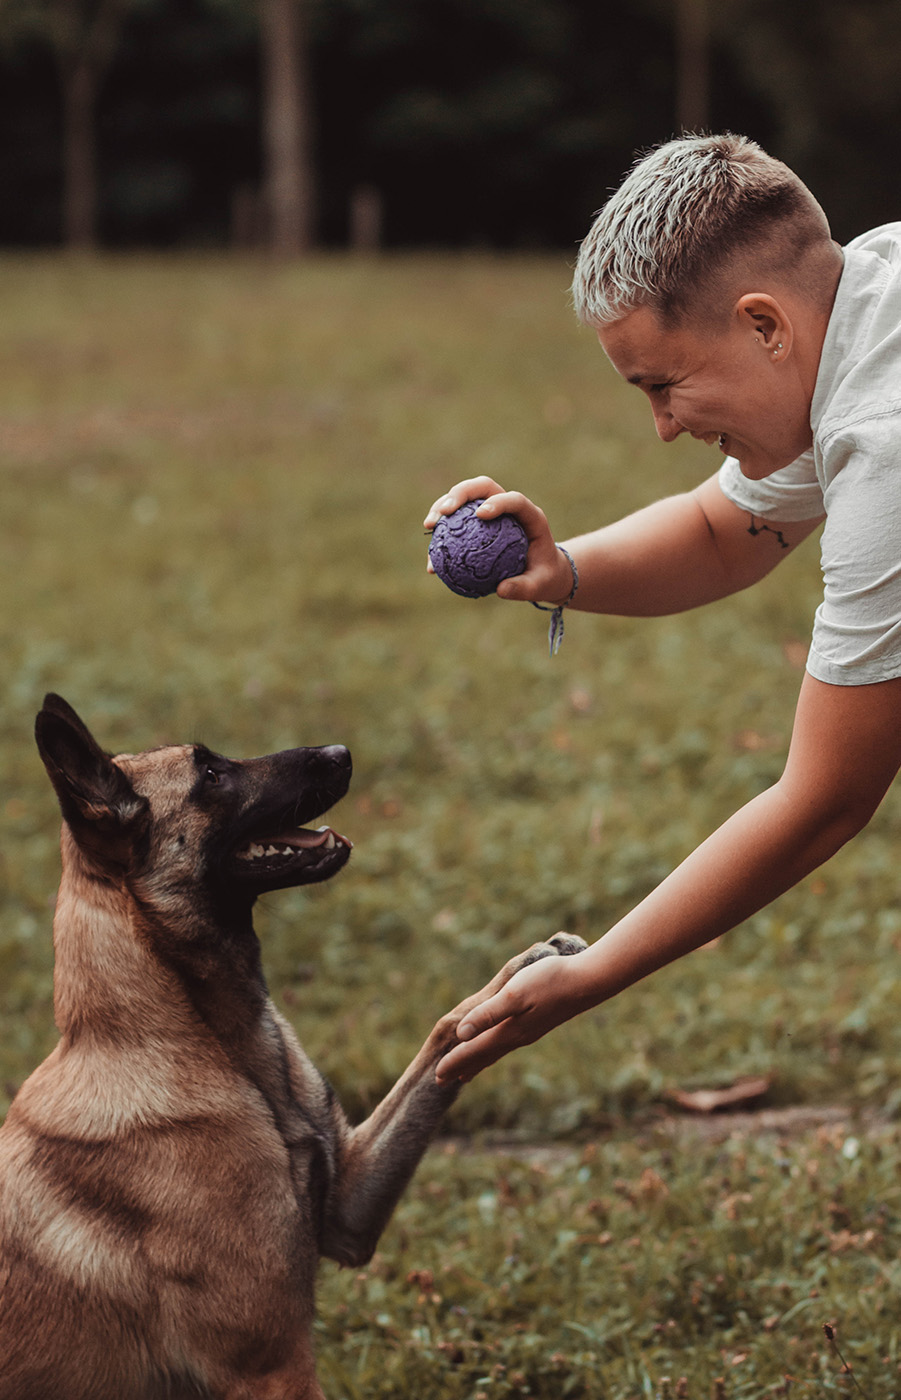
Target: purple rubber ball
472	555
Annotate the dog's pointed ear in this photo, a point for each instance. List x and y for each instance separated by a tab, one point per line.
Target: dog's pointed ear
92	791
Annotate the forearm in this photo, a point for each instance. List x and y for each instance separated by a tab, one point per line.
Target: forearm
844	753
760	852
676	554
660	560
751	859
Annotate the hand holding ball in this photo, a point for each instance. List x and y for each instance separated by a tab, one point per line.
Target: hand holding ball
472	555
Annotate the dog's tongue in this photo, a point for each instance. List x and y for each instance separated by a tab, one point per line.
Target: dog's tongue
307	840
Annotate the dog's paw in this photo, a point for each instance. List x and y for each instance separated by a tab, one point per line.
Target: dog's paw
562	945
566	944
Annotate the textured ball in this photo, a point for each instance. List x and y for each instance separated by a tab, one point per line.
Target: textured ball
472	555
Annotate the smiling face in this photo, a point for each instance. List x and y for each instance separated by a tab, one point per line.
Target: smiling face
743	386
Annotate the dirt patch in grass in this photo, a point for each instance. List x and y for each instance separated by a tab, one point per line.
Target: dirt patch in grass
681	1129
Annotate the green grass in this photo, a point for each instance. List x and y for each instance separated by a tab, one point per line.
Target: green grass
214	473
598	1274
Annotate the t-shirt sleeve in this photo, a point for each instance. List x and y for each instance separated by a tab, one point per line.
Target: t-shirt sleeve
793	493
857	628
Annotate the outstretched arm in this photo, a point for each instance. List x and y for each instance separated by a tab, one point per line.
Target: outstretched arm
670	556
844	753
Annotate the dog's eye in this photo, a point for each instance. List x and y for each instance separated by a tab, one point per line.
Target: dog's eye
211	777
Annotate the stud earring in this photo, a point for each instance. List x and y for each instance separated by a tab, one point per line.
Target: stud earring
778	348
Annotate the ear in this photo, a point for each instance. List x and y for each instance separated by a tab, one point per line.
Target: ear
93	793
768	321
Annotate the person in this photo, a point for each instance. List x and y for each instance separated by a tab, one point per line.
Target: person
715	287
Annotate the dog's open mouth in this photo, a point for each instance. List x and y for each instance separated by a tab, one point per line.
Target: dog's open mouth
297	856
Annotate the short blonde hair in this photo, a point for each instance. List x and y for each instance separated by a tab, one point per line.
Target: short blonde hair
680	219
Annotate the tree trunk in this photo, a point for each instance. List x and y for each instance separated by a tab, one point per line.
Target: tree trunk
79	158
288	179
85	38
692	65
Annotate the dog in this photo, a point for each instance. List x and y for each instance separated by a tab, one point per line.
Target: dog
173	1171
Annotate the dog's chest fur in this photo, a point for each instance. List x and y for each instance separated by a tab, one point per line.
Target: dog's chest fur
154	1156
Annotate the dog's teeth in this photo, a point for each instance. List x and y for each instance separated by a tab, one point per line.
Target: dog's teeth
256	851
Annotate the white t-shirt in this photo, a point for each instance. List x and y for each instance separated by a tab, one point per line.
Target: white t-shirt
852	474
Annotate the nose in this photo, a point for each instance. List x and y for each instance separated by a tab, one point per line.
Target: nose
336	756
668	429
329	770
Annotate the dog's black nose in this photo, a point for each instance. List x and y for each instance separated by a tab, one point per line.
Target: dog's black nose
338	756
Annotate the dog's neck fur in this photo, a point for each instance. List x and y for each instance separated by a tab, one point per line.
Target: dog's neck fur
129	967
151	1003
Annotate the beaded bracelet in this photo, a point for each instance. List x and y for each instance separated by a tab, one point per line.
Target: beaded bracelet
555	630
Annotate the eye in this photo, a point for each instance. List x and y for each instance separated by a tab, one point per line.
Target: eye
212	769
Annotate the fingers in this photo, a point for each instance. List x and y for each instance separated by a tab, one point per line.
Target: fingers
531	517
468	1059
461	1067
538	997
487	1014
458	495
490	1022
547	576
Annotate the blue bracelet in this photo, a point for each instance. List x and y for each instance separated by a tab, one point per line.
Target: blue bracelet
555	630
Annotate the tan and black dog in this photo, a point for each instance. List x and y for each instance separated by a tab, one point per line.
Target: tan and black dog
172	1172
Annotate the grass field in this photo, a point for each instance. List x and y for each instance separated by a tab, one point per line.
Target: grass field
213	476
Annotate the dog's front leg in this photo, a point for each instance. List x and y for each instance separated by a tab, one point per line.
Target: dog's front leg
377	1159
296	1380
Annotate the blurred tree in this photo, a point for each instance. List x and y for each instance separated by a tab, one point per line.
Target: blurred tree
499	122
287	122
180	119
446	122
829	76
285	217
83	35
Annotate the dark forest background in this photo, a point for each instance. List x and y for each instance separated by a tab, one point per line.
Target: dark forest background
404	123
